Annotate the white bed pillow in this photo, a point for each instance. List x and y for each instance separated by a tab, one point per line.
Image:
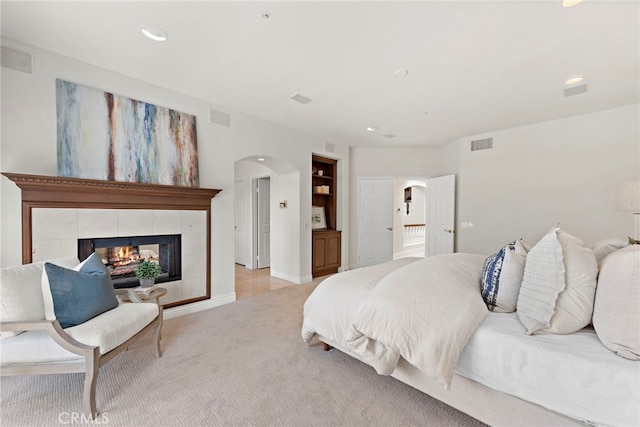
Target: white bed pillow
616	312
608	246
559	285
502	276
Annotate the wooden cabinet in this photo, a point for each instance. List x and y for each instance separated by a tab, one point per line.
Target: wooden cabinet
326	241
326	252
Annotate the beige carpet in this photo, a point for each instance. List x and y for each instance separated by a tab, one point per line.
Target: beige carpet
237	365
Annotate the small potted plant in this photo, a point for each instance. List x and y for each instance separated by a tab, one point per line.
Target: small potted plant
147	272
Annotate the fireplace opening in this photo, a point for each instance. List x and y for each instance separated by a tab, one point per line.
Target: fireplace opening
121	256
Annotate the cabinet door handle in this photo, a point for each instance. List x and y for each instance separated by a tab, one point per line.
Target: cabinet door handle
389	228
449	231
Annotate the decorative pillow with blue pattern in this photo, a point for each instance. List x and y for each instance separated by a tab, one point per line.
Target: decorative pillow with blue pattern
502	276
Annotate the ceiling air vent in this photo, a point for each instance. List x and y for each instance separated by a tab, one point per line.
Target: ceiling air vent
389	135
16	60
302	99
575	90
482	144
219	118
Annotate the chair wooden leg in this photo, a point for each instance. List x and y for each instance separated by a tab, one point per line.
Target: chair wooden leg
90	379
156	339
326	346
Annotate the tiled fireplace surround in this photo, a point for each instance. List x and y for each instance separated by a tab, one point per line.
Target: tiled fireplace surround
55	217
55	233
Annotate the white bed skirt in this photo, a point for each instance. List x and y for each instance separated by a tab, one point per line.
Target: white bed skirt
483	403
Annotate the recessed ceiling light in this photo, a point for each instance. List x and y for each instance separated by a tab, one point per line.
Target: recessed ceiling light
261	159
569	3
372	128
400	73
154	33
573	80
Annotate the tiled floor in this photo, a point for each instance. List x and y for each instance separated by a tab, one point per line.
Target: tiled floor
255	282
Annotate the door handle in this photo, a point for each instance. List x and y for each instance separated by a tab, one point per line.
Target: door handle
389	228
449	231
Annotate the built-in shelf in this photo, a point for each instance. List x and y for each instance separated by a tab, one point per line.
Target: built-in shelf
326	242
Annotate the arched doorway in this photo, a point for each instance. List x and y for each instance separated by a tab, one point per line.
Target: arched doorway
266	196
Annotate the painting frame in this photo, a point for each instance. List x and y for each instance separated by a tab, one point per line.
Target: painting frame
318	218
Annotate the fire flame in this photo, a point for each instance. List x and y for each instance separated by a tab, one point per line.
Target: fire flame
124	255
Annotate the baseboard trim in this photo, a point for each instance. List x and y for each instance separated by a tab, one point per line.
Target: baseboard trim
195	307
306	279
299	280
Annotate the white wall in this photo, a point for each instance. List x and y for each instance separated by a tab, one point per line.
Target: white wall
28	145
562	171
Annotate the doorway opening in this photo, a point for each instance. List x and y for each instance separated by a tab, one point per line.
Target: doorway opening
266	201
262	215
410	218
400	217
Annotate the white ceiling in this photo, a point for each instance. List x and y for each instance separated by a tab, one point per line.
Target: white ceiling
474	66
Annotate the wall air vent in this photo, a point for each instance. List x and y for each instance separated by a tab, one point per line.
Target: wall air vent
575	90
302	99
16	60
482	144
329	147
219	118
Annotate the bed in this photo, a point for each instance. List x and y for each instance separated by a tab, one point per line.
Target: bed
485	363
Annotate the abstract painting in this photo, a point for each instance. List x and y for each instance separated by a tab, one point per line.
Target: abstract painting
110	137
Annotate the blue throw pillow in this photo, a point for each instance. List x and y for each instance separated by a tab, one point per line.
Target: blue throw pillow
80	295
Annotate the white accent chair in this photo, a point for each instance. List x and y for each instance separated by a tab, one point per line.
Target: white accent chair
31	345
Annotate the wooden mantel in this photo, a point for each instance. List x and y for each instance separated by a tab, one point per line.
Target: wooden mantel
61	192
40	191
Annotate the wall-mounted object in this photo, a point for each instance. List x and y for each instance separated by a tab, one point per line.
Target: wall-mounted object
283	204
110	137
407	198
16	60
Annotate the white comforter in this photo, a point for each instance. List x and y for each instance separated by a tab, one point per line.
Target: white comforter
330	307
424	311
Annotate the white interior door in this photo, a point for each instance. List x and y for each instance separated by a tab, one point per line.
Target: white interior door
441	205
375	221
240	223
264	222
